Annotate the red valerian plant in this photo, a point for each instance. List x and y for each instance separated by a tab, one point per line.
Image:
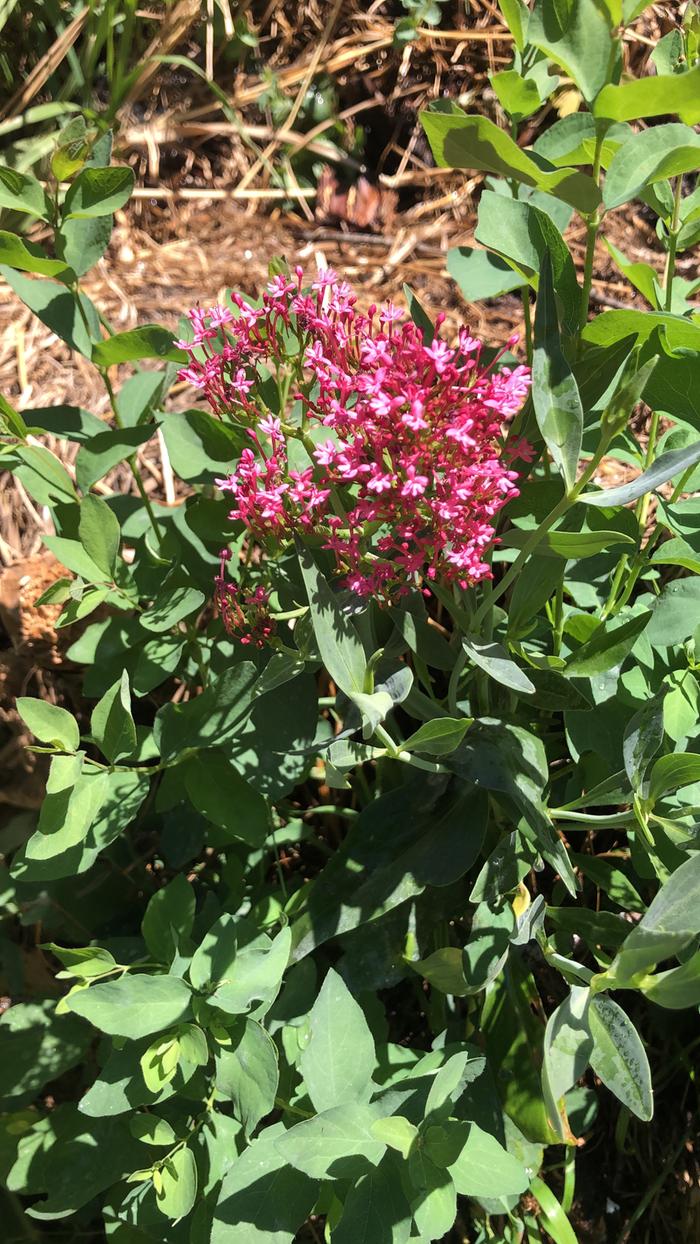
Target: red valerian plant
406	485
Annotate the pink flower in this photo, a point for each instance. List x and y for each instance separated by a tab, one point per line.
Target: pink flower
409	488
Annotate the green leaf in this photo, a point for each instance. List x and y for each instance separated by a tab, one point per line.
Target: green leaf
219	792
338	641
675	613
11	423
375	1208
652	155
159	1063
198	443
247	1073
83	963
581	41
178	1191
610	644
518	96
168	919
336	1144
653	96
670	773
557	1223
660	472
31	258
82	242
613	881
642	739
554	390
676	552
572	140
215	955
438	737
173	605
419	315
339	1059
434	1203
44	477
151	1130
397	1133
242	976
20	192
73	556
112	724
523	234
69	422
36	1047
473	142
483	1168
669	925
408	839
210	718
571	545
73	800
493	659
479	274
676	989
100	533
618	1057
448	1085
148	342
133	1006
641	275
49	723
262	1200
500	757
142	394
74	828
98	192
94	1155
100	453
58	308
567	1048
516	16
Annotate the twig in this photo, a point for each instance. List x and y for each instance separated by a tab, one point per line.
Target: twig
301	93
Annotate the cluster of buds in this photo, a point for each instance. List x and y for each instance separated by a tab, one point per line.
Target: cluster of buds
406	485
244	614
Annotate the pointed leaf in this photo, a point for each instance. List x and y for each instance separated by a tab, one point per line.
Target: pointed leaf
554	390
619	1058
339	1059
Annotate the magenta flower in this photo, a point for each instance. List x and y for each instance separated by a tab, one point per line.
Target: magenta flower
407	488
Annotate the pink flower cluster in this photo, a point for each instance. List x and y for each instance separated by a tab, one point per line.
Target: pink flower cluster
406	484
244	614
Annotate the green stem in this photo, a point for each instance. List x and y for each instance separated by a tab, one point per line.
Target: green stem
588	818
558	628
453	687
680	486
614	587
138	478
642	507
593	224
527	316
332	809
674	229
394	752
569	1192
285	1105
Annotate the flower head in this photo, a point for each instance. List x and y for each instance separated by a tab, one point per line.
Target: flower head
407	486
